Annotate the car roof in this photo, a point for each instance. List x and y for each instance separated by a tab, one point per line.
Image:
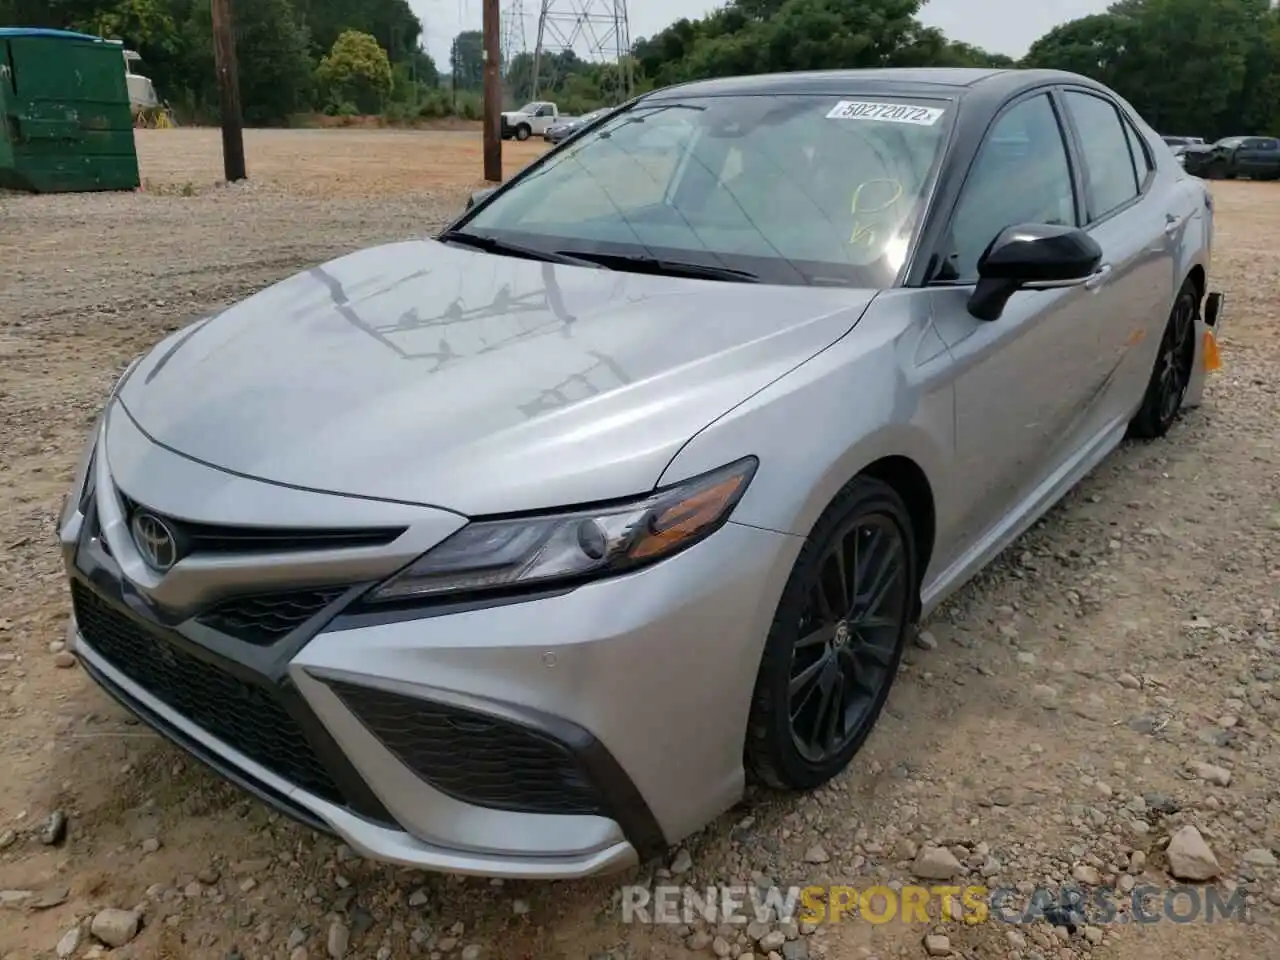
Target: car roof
948	82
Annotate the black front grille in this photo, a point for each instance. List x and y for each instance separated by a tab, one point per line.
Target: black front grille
216	538
476	758
244	716
265	618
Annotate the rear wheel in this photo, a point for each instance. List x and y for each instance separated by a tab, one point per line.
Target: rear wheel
1172	373
836	641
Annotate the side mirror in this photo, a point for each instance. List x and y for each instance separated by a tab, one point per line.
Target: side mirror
1032	256
478	196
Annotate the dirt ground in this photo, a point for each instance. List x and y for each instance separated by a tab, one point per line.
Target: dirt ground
1042	729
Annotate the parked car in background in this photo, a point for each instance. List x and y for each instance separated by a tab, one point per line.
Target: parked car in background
1255	157
637	478
533	119
564	128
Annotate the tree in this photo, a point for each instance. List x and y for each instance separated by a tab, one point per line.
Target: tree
467	60
1205	67
356	72
391	22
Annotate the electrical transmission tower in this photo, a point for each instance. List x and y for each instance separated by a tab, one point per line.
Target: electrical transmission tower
596	29
513	35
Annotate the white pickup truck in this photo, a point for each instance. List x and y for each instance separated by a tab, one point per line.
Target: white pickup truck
532	119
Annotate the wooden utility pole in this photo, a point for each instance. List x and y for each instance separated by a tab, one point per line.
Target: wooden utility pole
492	93
224	61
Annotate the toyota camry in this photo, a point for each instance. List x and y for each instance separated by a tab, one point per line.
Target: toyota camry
518	550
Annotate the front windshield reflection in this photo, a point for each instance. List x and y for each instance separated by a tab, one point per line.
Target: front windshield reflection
793	189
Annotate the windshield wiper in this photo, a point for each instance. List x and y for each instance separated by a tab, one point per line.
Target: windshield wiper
493	245
670	268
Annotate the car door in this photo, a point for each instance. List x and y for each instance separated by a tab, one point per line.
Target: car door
1021	379
1137	218
1259	158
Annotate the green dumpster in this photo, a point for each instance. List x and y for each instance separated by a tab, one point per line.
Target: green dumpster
65	121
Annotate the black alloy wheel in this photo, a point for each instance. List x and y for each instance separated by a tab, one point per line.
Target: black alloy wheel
837	640
1171	376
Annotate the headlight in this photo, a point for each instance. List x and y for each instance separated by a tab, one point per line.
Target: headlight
82	480
570	547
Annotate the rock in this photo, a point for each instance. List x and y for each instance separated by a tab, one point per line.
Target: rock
1129	681
1093	935
520	907
1190	857
1218	776
69	943
1260	857
793	950
115	927
1027	659
816	854
150	845
926	640
12	898
299	953
51	897
64	659
472	951
683	862
418	898
7	839
1083	873
338	941
773	940
936	945
720	947
1137	862
54	830
297	937
935	863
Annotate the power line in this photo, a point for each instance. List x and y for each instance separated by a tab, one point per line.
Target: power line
601	26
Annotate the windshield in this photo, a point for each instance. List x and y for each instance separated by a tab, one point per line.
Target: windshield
529	108
791	189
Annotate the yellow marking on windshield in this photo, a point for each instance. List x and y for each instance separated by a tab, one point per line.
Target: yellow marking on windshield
863	231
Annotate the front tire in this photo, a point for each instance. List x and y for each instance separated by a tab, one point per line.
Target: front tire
1171	375
836	640
522	132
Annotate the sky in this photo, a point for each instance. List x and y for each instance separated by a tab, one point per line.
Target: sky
1001	26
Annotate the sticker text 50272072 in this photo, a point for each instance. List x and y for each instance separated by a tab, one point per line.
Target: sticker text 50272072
886	112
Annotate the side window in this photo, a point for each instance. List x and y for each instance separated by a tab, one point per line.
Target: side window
1141	155
1108	163
1020	175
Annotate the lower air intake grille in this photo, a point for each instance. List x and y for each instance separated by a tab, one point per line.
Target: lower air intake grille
245	717
265	619
476	758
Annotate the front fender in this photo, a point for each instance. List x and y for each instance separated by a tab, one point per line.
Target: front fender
883	390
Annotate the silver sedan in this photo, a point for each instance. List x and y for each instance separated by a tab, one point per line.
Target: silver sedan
520	550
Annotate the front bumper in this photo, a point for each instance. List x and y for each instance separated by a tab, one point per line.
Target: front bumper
556	737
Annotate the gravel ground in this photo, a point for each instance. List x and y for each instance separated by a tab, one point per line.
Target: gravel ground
1113	678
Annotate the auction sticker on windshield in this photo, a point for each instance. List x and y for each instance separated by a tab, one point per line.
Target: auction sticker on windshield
886	112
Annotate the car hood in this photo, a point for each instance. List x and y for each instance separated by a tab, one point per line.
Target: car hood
1197	148
430	373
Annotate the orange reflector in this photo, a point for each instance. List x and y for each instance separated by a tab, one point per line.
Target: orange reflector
1212	359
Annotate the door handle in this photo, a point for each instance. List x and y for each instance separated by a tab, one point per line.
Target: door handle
1098	277
1172	223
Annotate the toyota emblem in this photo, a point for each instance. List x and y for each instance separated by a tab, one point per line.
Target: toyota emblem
155	541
